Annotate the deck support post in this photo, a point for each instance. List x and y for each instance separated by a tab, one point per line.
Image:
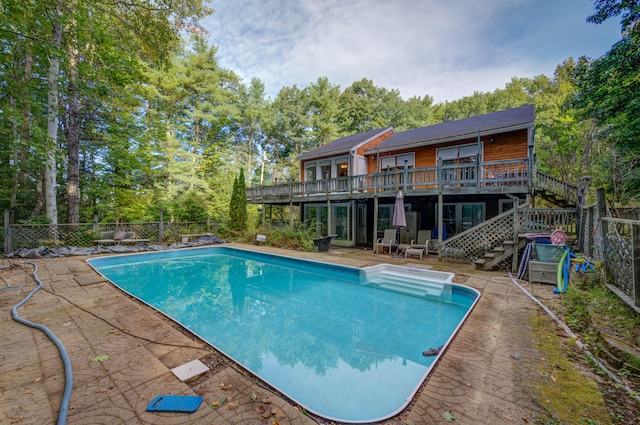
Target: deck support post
516	233
440	218
375	223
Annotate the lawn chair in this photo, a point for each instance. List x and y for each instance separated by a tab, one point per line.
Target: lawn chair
422	241
389	240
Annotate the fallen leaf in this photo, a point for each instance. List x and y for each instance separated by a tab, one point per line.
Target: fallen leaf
225	387
218	403
102	390
275	421
553	378
266	414
27	392
35	381
100	358
280	414
254	397
448	417
232	406
17	420
266	400
260	409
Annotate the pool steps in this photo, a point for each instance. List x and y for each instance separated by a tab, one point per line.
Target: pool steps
417	282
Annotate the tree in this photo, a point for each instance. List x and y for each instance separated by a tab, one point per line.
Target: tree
238	205
608	87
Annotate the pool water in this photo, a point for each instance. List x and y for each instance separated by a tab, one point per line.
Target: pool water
324	335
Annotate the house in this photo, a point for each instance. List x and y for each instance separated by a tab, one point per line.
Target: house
453	175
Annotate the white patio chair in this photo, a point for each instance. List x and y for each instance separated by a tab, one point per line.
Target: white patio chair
422	240
389	240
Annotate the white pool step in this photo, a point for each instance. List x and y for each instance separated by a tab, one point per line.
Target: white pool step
408	280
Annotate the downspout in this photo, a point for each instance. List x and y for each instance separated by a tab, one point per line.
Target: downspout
478	158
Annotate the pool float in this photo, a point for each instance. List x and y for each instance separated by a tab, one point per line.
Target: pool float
563	272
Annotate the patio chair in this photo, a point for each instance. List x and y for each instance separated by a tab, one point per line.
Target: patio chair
422	241
389	240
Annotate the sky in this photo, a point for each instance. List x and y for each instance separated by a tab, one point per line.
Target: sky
446	49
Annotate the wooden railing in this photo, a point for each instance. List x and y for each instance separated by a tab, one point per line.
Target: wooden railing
486	176
557	187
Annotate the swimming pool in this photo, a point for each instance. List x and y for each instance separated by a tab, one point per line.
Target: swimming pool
345	343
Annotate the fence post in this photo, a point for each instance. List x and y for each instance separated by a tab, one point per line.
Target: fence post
7	231
161	227
635	250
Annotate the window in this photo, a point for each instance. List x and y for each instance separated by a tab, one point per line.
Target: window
311	173
460	217
325	171
397	162
342	168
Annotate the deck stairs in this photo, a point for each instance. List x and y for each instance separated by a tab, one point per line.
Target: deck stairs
555	191
499	254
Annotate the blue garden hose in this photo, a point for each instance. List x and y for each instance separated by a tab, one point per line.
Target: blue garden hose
64	404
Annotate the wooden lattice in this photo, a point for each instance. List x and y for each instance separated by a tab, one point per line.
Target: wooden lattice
476	242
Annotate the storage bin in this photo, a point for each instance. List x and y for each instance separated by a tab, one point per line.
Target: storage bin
549	253
542	272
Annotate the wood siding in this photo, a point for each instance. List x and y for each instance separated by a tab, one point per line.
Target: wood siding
506	146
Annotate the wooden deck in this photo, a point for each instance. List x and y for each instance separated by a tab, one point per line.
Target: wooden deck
462	179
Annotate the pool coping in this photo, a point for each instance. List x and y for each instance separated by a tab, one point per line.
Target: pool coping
489	375
443	278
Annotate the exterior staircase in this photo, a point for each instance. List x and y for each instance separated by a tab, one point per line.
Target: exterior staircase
499	254
555	191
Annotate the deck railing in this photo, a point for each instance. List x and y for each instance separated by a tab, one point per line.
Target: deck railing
478	176
556	186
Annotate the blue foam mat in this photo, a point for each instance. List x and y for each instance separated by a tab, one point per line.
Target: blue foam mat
175	403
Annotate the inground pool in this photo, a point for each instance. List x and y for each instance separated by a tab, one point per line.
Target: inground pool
345	343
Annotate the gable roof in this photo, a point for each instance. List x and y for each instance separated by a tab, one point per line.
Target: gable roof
493	123
344	144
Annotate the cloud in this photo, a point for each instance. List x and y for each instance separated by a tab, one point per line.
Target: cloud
446	50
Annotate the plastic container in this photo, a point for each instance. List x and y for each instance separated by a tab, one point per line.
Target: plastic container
549	253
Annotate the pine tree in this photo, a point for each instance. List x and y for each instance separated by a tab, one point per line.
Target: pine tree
238	204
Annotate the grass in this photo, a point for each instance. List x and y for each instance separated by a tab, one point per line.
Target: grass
591	310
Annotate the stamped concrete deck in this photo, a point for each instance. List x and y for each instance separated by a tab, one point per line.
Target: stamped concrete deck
122	353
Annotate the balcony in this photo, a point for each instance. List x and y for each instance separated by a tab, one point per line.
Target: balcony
513	176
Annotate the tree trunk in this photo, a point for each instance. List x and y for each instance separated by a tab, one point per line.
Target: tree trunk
52	121
73	139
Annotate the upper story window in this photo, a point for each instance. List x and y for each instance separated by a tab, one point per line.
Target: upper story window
397	162
342	168
458	154
310	172
327	168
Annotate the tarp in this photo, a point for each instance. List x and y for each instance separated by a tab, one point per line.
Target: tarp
68	251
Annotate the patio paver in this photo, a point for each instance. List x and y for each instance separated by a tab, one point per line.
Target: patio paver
484	377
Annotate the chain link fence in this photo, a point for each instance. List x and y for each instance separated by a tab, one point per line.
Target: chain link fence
17	236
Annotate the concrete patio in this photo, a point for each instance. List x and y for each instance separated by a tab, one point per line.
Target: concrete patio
122	352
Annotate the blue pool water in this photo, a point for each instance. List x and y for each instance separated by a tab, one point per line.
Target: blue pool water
329	337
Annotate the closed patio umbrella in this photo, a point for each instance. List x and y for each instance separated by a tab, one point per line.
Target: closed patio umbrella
399	217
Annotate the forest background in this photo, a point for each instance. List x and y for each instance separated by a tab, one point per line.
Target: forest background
120	109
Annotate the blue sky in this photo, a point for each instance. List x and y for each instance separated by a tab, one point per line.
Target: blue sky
446	49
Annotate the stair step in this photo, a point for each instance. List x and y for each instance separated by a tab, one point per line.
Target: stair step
499	249
406	285
490	255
